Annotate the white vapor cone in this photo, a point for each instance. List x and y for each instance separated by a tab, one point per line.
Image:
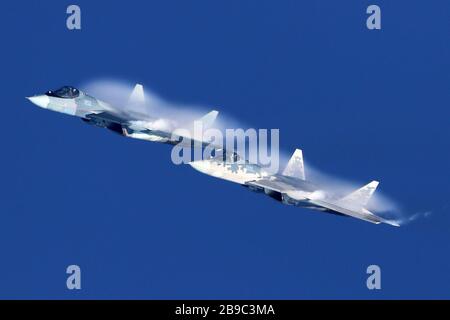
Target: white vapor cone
157	112
336	188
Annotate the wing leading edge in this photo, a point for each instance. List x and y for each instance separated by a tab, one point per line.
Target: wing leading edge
286	189
363	214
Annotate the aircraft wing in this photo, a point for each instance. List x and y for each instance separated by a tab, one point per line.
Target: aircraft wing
106	120
119	125
365	215
284	187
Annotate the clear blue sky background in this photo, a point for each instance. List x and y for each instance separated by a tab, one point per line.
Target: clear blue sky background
362	104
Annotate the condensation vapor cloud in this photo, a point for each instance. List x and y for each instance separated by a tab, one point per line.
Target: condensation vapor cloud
170	115
178	115
336	188
380	204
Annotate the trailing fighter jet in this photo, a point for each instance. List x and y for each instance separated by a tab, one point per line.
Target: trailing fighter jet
290	187
125	121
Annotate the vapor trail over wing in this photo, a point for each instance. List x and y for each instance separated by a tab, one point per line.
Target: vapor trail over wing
291	188
295	167
361	196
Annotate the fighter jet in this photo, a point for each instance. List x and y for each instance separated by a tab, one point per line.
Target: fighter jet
128	121
290	187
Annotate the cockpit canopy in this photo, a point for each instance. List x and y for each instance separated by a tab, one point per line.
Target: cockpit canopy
65	92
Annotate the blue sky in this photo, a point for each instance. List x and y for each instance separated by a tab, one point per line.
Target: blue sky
362	105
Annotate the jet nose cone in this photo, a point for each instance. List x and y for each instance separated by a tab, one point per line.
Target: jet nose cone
41	101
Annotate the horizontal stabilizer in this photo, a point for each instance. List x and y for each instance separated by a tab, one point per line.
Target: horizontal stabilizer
361	196
295	167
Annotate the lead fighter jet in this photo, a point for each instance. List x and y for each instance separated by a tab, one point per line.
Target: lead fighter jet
126	121
291	187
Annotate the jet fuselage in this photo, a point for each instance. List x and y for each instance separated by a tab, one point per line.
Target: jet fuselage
71	101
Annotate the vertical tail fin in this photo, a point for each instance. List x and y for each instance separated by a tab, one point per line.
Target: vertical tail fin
137	97
295	167
361	196
208	119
